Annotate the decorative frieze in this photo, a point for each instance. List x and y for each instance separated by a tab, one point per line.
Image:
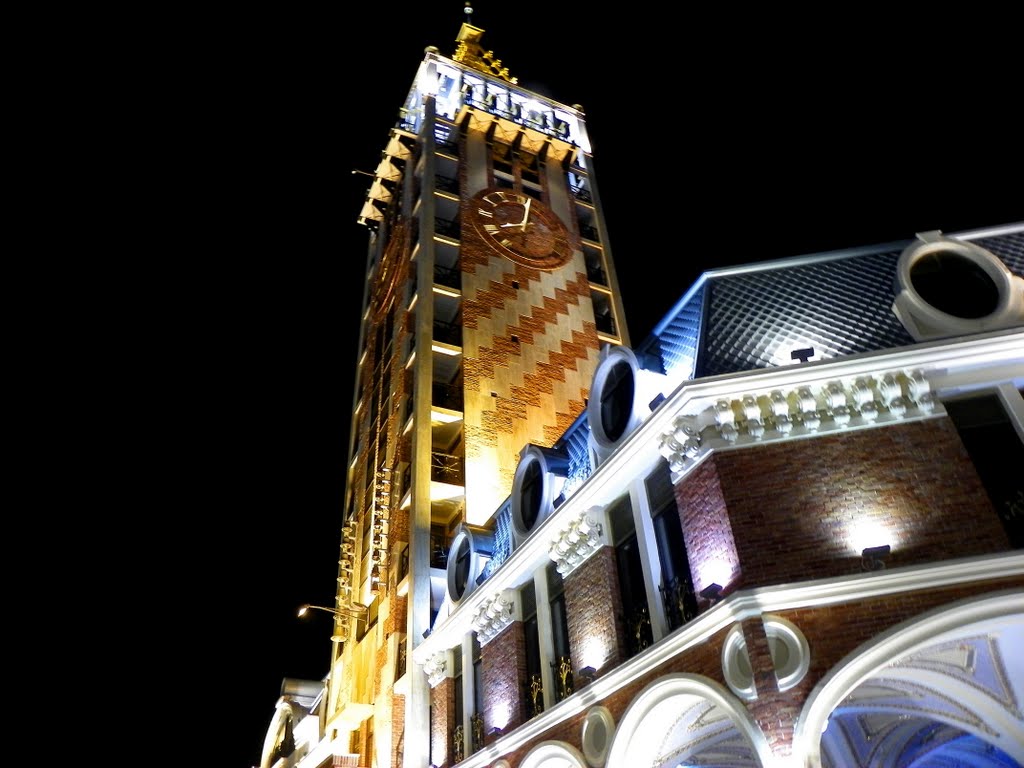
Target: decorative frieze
777	414
435	668
492	617
576	541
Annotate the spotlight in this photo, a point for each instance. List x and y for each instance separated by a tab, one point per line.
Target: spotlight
587	675
712	592
873	558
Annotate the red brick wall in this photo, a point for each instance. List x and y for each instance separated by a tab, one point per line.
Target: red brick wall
707	530
593	607
503	661
442	715
791	522
397	730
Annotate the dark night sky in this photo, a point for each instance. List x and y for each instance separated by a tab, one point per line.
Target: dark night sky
719	144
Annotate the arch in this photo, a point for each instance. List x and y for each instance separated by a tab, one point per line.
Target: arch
553	754
917	660
684	715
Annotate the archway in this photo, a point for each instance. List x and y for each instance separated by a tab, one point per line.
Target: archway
683	718
944	688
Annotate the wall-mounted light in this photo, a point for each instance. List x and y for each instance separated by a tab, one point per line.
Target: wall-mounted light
587	675
712	592
873	558
495	732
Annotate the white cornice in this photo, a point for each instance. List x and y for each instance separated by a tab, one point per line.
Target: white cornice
745	604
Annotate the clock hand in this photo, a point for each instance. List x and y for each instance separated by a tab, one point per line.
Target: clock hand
526	216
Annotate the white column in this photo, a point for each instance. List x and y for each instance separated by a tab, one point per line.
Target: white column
468	689
651	561
545	634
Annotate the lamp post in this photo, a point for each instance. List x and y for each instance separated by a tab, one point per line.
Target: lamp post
357	611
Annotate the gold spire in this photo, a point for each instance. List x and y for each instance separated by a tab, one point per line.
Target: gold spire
472	54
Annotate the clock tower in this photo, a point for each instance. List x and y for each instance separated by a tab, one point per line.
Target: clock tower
490	291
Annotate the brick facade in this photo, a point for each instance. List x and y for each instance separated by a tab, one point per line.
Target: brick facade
914	480
593	606
442	718
503	660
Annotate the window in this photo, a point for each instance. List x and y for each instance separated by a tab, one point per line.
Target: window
631	577
562	661
676	586
534	681
992	443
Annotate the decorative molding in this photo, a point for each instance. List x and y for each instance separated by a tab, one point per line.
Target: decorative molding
576	540
776	414
435	668
492	617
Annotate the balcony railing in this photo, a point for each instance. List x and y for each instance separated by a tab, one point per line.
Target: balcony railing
476	721
589	232
563	677
447	227
680	602
582	193
534	696
445	468
400	662
458	744
638	630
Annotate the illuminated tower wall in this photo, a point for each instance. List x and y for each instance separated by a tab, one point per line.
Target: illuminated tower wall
483	321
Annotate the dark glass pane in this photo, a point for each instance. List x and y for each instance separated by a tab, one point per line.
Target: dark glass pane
617	400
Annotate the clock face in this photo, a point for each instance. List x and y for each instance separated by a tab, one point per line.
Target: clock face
520	228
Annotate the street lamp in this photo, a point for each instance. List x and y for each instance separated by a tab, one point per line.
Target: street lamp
357	611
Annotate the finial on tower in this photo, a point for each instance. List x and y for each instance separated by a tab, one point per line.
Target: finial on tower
472	54
468	10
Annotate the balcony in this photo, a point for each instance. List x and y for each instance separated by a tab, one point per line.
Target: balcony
589	232
447	469
595	274
448	333
447	396
582	194
450	277
447	228
446	184
680	602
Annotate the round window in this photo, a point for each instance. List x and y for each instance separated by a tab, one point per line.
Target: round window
617	400
954	284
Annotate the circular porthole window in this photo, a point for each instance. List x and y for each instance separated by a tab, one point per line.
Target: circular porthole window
598	729
948	287
467	557
790	656
534	487
612	411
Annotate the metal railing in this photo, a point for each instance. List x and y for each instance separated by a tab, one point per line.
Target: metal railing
445	468
680	602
